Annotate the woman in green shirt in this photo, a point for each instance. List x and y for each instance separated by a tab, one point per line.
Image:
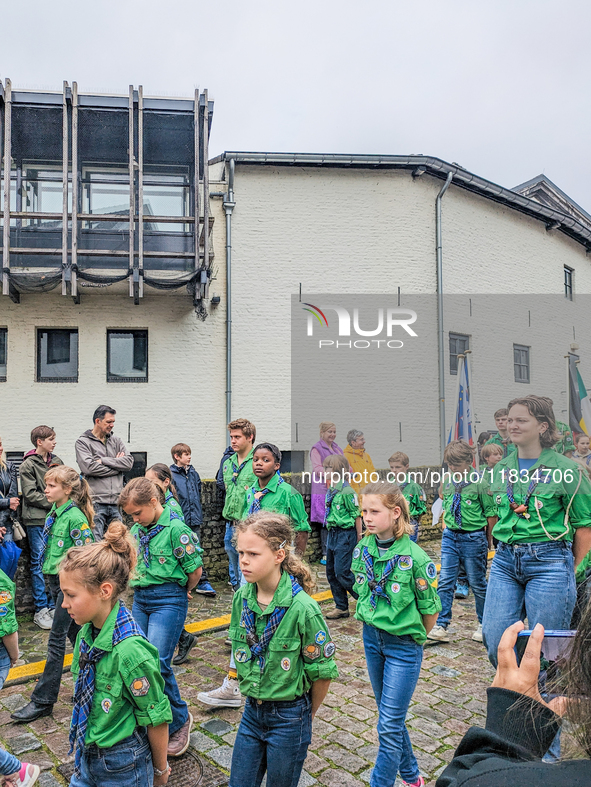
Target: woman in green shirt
283	651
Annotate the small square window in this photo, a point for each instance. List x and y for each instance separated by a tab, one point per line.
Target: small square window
3	353
57	355
568	282
127	356
458	344
521	363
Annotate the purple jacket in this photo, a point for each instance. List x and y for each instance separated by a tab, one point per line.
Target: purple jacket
318	486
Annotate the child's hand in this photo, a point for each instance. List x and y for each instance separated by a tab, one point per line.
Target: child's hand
11	780
189	596
161	780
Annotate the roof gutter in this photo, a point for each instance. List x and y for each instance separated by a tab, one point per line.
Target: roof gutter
229	205
435	167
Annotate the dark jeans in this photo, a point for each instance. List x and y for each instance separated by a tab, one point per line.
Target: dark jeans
273	737
48	686
40	600
160	612
339	553
128	763
104	514
323	539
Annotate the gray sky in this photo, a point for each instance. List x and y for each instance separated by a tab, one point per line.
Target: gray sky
500	86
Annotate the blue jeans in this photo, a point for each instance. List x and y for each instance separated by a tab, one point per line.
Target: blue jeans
128	762
160	612
40	600
339	553
394	665
536	581
8	763
234	564
4	670
104	514
273	737
469	550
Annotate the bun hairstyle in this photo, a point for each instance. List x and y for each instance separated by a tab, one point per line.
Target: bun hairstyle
277	531
80	494
140	491
391	497
162	473
111	560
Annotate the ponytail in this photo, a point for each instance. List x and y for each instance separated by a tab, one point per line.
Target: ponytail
80	491
111	560
277	531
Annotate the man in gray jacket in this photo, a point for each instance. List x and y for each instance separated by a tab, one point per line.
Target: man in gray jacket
103	458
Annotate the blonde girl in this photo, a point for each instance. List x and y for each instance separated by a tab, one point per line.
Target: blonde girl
283	651
398	607
119	728
68	524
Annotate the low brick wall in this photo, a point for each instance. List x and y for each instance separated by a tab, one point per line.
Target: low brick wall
213	531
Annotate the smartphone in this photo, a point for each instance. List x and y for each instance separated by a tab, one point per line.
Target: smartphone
555	646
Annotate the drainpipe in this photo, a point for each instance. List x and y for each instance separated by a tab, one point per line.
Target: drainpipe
229	206
440	335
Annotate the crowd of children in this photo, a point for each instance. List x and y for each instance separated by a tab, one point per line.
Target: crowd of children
129	717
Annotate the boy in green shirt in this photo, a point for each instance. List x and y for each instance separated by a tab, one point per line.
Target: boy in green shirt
468	513
413	493
343	521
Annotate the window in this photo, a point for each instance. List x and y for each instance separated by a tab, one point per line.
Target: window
3	350
521	363
140	465
458	344
127	356
568	282
57	355
292	462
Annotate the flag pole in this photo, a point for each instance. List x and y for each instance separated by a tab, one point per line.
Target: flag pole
461	359
471	421
568	390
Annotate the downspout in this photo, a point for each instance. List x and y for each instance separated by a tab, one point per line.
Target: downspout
440	335
229	206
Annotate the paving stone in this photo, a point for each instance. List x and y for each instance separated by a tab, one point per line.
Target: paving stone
14	702
428	727
5	718
423	741
338	778
201	742
222	755
450	695
343	758
314	763
443	650
448	672
40	758
306	780
230	738
455	725
455	711
426	712
58	744
345	739
349	724
43	726
48	780
24	742
322	728
217	726
357	711
427	762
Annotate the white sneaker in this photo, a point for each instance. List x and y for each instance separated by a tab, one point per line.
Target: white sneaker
42	619
227	696
438	634
477	636
27	775
51	613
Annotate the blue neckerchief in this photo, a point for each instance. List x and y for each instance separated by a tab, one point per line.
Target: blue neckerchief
259	646
49	523
456	503
255	504
377	588
168	497
236	473
145	538
530	490
125	626
330	496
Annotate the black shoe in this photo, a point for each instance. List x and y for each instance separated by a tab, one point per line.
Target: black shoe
31	712
186	643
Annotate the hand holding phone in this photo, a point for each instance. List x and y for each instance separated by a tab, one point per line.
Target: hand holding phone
523	677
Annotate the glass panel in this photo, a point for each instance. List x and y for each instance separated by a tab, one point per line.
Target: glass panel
128	356
3	342
57	355
12	200
42	191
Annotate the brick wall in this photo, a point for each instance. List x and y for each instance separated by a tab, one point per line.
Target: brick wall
212	537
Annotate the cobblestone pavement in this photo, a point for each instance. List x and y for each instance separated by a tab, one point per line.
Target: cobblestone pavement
449	698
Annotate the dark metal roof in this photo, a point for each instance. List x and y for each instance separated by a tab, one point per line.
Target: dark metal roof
418	164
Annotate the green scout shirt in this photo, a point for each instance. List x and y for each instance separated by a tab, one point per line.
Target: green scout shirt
566	442
8	624
344	509
237	483
408	587
300	652
548	505
173	553
70	529
413	494
583	568
128	687
174	505
498	440
476	504
282	499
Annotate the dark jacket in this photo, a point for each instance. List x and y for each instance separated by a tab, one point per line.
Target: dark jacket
32	472
508	753
188	487
105	478
8	489
219	479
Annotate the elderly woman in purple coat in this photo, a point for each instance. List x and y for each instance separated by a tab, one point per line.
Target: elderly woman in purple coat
318	453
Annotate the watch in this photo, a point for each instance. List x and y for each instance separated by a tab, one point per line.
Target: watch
161	773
